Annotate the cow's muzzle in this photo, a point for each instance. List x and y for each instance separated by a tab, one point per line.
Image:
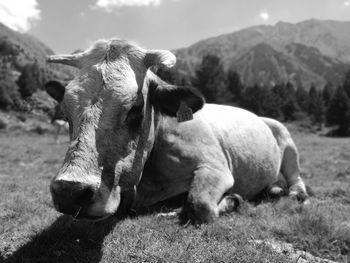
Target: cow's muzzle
72	198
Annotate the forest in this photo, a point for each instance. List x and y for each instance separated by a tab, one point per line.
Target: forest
312	107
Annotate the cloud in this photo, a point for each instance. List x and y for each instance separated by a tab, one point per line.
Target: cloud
19	15
109	4
264	15
347	3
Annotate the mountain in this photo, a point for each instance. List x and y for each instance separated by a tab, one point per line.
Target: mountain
17	50
313	51
24	54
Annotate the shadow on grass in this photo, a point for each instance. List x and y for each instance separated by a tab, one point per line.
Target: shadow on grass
66	240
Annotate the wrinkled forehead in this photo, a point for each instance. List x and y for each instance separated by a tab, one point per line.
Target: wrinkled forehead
117	72
112	51
91	87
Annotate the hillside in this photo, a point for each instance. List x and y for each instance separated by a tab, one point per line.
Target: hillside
23	54
312	51
17	50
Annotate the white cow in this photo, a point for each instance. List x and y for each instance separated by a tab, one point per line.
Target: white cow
131	136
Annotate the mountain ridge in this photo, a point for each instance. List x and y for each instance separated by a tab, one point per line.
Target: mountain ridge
330	38
311	51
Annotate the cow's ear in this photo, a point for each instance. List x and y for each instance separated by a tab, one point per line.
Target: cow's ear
159	58
55	89
168	98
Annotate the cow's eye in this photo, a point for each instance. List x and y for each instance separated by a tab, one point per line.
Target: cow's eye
134	118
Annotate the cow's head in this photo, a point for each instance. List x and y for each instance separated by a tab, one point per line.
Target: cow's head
112	106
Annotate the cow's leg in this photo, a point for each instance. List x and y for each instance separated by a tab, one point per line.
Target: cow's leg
278	188
290	169
206	191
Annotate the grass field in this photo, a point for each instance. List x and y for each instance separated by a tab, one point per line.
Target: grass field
31	230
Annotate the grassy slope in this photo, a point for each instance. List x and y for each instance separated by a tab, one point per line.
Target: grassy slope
31	231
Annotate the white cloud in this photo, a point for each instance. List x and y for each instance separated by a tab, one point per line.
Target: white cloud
347	3
19	15
264	15
108	4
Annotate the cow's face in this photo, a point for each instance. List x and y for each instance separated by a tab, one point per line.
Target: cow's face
110	108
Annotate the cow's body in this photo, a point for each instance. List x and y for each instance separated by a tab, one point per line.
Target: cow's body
125	138
241	150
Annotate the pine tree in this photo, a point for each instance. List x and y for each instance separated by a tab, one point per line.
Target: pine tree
302	98
210	78
312	95
327	93
346	84
272	105
286	100
338	112
252	99
316	106
289	106
234	84
30	80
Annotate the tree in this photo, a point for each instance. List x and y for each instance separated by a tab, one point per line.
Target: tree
271	105
9	95
234	84
312	94
30	80
327	93
316	106
252	99
302	98
346	84
210	78
289	104
338	112
285	97
5	98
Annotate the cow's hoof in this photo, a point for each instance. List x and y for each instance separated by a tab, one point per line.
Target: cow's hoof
237	201
230	203
299	196
276	192
169	214
306	203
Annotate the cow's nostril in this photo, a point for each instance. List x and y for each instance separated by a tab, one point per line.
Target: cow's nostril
69	197
84	196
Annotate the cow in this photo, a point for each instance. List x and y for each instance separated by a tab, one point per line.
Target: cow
135	137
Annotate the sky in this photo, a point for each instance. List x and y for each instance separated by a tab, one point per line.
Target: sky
68	25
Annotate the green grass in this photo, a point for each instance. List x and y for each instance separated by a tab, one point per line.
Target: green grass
31	230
